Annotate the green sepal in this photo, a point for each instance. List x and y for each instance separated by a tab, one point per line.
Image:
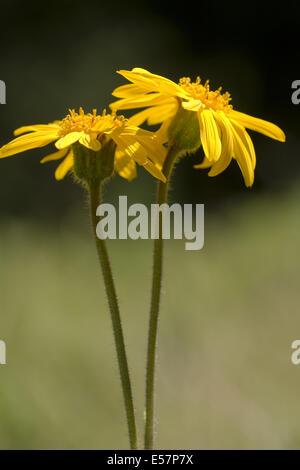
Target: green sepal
184	131
91	166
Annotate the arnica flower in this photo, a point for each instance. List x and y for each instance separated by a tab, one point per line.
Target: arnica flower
92	131
222	129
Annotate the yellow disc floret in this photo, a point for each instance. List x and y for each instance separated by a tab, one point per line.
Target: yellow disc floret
90	122
210	99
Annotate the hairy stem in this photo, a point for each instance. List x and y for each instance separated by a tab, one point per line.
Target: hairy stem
95	198
162	196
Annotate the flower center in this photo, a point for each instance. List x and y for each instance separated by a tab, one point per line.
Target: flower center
210	99
89	123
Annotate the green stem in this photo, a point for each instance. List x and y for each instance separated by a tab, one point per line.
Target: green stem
95	197
162	196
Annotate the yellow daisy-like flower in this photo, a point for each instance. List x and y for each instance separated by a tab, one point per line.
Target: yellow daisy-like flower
92	131
222	129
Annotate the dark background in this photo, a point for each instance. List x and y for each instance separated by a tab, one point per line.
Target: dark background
61	55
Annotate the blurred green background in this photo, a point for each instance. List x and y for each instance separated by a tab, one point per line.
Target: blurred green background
229	312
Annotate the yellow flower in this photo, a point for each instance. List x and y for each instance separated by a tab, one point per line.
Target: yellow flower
222	129
92	131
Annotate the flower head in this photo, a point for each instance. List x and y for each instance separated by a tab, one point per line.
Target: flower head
222	129
92	131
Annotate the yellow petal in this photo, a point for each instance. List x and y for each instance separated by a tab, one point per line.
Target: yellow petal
246	139
162	133
139	80
227	145
209	135
242	156
37	127
164	84
124	165
259	125
192	105
145	72
130	147
27	142
155	171
68	140
154	115
104	125
205	164
138	118
128	91
161	113
54	156
153	82
155	150
90	142
141	101
64	167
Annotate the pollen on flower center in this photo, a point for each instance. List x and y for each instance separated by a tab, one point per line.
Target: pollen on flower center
210	99
88	123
